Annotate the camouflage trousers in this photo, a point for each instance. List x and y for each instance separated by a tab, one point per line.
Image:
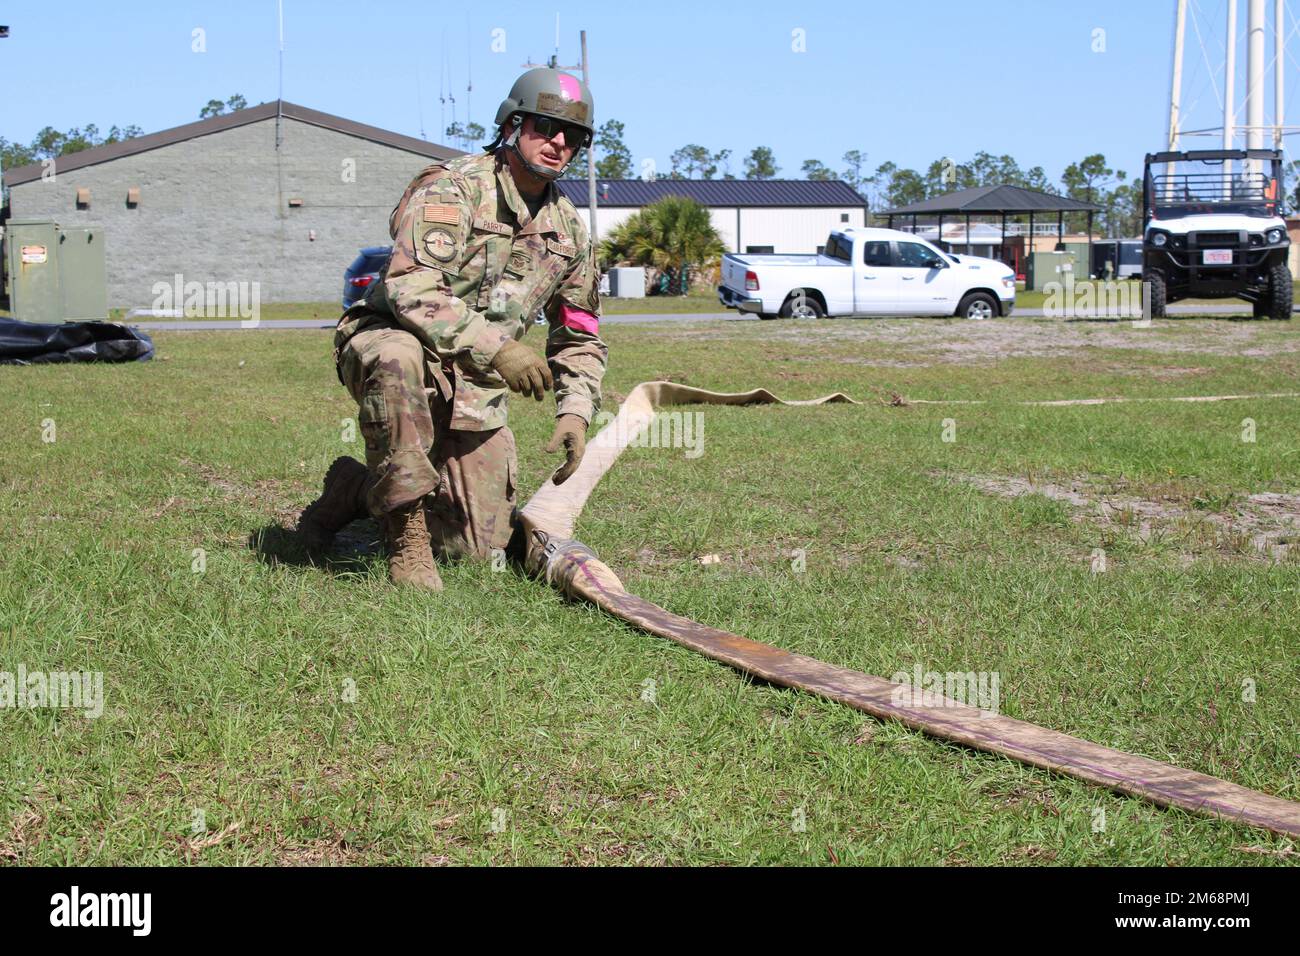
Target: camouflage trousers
466	478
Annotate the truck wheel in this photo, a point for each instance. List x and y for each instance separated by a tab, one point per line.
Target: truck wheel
978	305
1159	293
1279	292
802	307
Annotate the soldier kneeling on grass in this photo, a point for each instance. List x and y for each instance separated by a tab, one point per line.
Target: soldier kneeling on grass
480	244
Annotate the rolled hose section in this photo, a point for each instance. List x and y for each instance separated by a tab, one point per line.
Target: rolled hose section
572	567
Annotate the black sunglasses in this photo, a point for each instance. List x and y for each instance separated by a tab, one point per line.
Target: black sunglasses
547	126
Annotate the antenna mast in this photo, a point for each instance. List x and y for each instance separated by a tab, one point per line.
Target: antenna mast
442	89
279	96
469	80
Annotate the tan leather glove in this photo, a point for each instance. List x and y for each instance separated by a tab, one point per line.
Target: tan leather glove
572	431
523	369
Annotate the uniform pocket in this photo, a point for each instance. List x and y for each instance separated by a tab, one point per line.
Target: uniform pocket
375	426
494	255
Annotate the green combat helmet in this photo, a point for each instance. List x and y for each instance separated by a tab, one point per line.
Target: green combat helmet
545	91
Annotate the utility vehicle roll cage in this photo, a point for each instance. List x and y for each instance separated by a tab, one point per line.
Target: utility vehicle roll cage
1175	194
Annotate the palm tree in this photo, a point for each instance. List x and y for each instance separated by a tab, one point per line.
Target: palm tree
671	235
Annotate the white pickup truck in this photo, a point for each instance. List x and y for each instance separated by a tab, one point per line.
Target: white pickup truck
868	272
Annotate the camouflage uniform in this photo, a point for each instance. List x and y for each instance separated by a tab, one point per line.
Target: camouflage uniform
469	270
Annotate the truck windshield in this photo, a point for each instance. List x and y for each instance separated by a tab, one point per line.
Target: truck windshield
837	247
1211	186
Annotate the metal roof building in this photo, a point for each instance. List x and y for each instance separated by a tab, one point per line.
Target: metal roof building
1000	201
751	215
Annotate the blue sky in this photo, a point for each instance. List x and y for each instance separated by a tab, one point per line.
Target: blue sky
909	82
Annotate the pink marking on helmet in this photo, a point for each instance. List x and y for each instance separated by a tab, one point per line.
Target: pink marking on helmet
569	87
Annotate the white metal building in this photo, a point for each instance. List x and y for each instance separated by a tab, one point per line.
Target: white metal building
751	215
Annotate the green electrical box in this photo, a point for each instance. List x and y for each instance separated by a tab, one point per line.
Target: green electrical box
1082	259
1045	267
53	274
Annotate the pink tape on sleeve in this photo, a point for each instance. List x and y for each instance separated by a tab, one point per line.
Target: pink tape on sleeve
579	319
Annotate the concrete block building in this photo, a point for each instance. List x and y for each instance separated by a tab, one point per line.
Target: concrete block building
276	194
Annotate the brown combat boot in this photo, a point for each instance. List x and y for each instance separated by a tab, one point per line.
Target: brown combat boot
410	557
343	500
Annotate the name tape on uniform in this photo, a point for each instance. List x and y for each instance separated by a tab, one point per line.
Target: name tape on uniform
500	228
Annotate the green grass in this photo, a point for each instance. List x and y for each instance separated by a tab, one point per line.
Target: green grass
675	304
228	691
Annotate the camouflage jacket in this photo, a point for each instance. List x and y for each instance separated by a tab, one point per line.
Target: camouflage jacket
470	268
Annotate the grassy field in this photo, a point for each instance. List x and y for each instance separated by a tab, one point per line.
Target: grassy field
258	709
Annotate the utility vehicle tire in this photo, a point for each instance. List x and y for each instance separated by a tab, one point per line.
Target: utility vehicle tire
1159	293
1279	292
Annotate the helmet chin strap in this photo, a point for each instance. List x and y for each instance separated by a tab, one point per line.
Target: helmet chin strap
545	172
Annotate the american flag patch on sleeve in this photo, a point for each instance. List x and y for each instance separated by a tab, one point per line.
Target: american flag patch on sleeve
447	214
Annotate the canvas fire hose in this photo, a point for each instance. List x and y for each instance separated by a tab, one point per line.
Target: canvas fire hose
567	564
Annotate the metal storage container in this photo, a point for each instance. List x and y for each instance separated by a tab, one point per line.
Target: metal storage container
53	274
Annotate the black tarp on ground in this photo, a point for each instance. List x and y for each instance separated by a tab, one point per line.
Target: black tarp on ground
33	343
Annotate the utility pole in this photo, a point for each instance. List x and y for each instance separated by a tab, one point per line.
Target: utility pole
4	35
591	151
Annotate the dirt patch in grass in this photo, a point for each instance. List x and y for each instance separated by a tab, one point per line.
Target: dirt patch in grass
969	343
928	342
1266	524
334	851
269	494
26	831
602	854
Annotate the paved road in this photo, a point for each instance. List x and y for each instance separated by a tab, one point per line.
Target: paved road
639	319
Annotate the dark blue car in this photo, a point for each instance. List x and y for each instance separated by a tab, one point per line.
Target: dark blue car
364	272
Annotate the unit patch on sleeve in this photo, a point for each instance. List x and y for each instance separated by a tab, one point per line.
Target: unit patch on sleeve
440	244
